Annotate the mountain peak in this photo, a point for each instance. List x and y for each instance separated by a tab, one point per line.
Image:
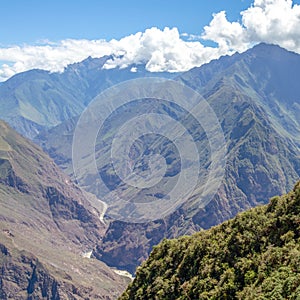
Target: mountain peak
270	51
89	63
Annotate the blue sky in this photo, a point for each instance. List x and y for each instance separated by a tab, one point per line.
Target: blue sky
165	35
34	20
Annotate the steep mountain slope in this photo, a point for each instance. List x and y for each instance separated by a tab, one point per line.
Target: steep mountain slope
254	256
263	141
46	224
57	142
263	156
267	73
37	100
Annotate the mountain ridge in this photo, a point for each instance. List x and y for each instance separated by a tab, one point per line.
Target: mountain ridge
46	225
37	99
264	76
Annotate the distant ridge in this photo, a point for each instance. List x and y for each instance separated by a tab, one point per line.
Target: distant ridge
35	100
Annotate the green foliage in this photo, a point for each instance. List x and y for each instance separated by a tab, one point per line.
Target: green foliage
256	255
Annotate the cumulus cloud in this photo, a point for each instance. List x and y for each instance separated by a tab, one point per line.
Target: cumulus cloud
228	35
271	21
159	50
51	56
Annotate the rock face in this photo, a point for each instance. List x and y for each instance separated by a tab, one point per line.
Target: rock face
24	277
253	256
46	225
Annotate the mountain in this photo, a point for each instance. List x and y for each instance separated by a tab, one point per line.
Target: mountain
256	255
248	92
256	102
36	100
48	229
266	73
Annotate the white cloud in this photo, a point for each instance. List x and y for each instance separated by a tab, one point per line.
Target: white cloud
228	35
160	50
133	69
271	21
274	21
50	56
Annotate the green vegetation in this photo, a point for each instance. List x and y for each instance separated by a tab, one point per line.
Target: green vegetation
256	255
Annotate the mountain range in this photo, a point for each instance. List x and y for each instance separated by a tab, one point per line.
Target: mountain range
256	98
37	100
257	105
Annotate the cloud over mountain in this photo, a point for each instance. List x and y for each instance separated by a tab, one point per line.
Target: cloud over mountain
271	21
